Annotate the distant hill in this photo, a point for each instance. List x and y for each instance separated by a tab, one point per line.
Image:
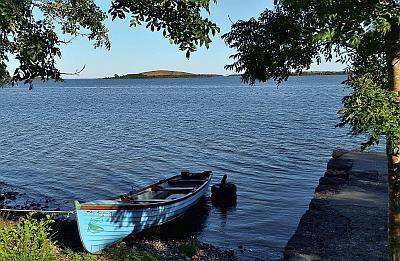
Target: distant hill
161	74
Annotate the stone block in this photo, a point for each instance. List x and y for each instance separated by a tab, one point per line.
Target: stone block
337	174
340	164
365	175
333	181
337	153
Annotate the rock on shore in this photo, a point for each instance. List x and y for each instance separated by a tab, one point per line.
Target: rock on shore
347	218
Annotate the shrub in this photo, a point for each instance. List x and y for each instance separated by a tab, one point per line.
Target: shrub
28	241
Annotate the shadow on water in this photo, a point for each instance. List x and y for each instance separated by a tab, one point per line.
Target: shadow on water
189	225
224	208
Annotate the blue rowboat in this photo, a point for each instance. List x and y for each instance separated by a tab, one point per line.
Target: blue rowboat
102	223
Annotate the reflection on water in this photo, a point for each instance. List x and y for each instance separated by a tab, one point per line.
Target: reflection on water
187	226
225	209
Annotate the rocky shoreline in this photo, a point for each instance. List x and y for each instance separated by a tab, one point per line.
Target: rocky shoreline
152	241
347	218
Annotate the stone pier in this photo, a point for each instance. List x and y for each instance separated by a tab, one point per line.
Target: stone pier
347	218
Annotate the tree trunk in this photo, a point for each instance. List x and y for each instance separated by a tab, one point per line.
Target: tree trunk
393	61
394	207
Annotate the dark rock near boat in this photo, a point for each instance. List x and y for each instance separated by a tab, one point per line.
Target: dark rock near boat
224	192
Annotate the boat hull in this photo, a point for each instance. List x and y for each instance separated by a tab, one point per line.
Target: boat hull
100	228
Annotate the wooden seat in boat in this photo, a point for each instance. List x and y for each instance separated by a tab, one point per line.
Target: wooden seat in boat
177	188
148	200
186	181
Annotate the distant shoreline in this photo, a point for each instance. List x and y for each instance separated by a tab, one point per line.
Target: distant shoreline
310	73
322	73
160	74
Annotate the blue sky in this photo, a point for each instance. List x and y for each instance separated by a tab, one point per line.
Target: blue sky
138	49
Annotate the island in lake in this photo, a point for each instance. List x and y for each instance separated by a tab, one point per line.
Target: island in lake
160	74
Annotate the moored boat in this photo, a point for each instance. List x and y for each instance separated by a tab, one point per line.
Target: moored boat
102	223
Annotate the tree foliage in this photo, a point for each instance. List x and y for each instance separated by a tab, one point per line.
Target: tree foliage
180	21
34	42
353	32
29	29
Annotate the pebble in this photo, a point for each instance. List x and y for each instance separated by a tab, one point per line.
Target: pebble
170	249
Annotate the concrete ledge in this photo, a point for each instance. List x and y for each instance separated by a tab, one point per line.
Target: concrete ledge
347	218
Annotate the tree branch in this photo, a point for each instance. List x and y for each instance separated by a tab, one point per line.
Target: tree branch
77	72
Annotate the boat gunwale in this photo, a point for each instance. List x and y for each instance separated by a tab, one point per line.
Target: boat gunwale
140	205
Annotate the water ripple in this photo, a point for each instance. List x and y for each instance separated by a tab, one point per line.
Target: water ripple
90	139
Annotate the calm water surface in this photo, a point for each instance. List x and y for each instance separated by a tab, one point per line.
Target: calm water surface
91	139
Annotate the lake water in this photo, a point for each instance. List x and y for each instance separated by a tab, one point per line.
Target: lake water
91	139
